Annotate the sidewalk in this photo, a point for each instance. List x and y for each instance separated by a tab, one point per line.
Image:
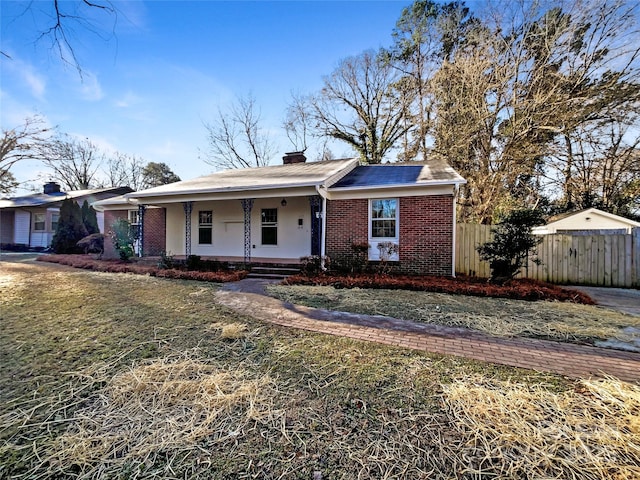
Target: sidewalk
247	297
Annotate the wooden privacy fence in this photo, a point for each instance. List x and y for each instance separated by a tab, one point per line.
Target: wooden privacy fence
604	260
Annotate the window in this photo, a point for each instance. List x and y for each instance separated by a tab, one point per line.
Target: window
205	227
133	217
269	226
134	224
384	218
39	221
55	218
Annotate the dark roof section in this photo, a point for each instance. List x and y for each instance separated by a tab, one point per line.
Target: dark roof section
43	199
415	173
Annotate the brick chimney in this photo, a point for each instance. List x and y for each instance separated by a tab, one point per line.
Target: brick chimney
51	187
293	157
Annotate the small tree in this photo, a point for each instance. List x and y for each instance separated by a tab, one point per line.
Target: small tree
70	230
512	243
89	218
122	239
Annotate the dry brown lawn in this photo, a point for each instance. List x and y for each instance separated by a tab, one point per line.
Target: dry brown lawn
560	321
123	376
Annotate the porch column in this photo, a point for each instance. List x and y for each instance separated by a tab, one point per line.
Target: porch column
247	205
188	207
316	223
141	210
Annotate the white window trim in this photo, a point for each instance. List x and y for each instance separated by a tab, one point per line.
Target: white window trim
205	225
44	222
374	253
270	224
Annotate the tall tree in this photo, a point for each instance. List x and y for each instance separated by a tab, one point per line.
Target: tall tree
156	174
424	35
124	170
18	144
237	138
361	106
525	77
75	163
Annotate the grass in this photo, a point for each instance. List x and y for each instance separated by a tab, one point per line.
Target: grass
561	321
125	376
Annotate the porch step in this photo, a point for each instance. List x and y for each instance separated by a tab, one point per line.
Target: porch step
273	272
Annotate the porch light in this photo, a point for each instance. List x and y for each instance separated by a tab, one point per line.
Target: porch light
283	202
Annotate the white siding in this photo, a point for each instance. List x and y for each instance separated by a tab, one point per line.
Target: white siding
294	240
22	227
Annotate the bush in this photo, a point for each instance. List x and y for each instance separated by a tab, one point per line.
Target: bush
166	261
512	244
356	262
70	229
122	239
312	265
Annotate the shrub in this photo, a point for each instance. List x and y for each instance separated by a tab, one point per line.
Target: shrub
312	264
93	243
70	228
122	239
356	262
166	261
512	243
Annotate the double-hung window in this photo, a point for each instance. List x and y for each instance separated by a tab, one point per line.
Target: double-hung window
39	222
269	226
205	227
384	218
55	218
134	223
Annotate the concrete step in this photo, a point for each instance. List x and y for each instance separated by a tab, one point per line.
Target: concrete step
272	272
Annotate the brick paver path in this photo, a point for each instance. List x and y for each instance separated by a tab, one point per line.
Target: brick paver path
576	361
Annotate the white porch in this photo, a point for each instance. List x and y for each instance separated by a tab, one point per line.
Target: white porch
266	230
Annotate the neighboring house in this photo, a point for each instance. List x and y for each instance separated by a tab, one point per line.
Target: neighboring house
590	221
31	220
285	212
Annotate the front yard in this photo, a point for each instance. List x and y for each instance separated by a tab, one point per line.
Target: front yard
123	376
559	321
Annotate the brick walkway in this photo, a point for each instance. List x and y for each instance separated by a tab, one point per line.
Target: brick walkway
566	359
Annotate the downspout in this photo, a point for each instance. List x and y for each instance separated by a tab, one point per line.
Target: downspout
323	237
456	190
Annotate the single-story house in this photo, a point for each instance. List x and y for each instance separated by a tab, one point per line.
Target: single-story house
590	221
31	220
284	212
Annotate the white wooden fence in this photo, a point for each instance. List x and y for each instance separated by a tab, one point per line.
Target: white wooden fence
605	260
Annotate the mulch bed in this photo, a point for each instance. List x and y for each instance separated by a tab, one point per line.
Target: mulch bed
519	289
87	262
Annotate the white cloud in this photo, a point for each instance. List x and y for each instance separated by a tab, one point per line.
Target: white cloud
90	88
32	79
129	99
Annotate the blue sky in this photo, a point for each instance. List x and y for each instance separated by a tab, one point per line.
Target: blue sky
150	80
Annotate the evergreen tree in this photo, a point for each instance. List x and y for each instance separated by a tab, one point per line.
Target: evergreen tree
70	230
89	218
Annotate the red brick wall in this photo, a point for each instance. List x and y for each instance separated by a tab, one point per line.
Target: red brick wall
110	216
155	228
426	232
346	224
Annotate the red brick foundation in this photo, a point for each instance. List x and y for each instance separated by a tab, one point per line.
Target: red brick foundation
426	232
